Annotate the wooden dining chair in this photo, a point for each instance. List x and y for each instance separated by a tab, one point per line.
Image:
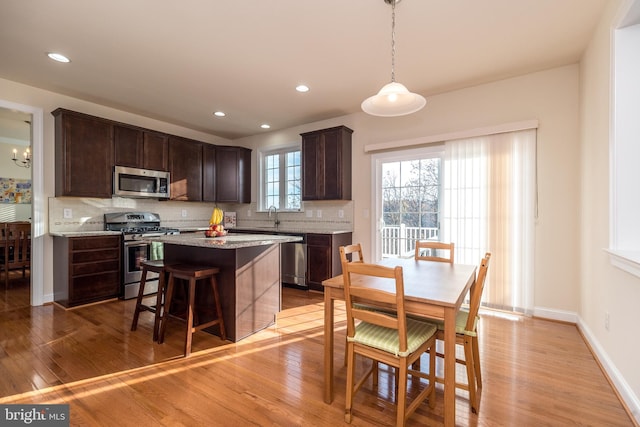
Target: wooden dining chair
348	253
430	247
389	338
467	336
17	248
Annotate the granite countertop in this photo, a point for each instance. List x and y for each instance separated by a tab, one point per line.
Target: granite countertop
230	241
84	233
262	230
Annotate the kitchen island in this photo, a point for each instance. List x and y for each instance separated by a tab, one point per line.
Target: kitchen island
249	279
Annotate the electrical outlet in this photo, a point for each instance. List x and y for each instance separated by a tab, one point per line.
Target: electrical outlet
340	213
248	212
67	213
606	320
319	213
184	213
310	213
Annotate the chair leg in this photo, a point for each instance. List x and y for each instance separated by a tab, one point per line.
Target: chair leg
374	372
167	307
346	357
402	393
216	295
476	361
432	375
160	296
471	378
192	291
136	313
350	375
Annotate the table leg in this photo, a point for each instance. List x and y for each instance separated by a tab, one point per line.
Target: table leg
328	346
450	367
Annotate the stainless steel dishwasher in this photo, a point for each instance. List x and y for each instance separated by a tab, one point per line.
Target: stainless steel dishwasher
293	262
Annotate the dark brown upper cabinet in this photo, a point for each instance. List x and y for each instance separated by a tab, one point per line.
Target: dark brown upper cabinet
208	173
88	147
84	155
326	164
226	174
233	174
138	148
156	151
185	166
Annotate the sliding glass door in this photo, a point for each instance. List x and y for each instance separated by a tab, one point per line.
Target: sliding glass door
479	193
408	200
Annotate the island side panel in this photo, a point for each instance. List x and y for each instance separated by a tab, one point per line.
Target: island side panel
258	288
246	284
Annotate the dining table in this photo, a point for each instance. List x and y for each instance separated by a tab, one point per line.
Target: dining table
434	290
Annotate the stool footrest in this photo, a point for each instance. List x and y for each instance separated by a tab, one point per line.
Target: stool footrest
206	325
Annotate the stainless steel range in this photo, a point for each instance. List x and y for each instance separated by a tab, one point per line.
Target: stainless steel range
135	226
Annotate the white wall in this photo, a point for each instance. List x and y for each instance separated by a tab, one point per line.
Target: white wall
550	97
603	288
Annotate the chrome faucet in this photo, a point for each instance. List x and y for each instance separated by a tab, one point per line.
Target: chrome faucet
276	221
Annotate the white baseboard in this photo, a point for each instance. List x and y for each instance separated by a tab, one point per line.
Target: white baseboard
626	393
622	387
552	314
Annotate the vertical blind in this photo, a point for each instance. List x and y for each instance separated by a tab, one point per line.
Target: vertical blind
489	205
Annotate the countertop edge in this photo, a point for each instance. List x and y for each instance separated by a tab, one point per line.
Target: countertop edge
268	230
84	233
222	242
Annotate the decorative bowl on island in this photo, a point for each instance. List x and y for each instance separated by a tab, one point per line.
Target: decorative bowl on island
215	230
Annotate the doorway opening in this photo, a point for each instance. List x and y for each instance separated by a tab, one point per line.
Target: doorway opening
36	212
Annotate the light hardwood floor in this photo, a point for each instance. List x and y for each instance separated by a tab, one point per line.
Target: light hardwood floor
535	372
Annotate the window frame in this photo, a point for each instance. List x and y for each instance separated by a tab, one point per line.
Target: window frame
431	151
282	151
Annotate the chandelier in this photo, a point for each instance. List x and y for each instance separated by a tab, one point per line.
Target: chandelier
25	162
394	99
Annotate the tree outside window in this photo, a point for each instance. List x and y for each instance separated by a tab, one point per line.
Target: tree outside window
410	197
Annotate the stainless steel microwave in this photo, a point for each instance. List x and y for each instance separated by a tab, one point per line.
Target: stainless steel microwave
134	182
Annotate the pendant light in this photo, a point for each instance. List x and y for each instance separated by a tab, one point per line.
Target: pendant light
394	99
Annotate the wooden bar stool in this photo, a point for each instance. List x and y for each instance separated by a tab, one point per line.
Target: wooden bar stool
192	273
157	267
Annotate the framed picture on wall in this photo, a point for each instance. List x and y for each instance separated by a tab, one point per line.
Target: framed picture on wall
14	190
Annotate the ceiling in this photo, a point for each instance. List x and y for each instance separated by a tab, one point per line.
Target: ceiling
15	128
180	61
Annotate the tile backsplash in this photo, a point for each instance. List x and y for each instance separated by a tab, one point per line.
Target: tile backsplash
69	214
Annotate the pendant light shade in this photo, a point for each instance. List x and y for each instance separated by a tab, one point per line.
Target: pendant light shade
394	99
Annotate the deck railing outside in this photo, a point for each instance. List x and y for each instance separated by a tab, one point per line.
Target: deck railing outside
400	241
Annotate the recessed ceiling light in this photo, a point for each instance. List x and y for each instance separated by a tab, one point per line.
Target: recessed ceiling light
302	88
219	114
265	126
58	57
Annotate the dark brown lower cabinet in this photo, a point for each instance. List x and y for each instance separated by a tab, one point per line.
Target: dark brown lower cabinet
323	257
86	269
